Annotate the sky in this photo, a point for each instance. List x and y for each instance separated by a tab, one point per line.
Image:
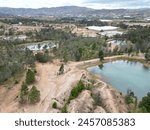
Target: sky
96	4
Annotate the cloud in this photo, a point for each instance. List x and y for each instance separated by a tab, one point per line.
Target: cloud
97	4
38	3
118	3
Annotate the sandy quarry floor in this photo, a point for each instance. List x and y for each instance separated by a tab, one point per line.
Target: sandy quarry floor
48	82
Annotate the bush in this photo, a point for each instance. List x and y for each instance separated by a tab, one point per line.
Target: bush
30	76
24	88
16	81
61	69
23	98
64	109
101	66
54	105
101	55
145	103
76	90
42	57
34	95
23	93
97	99
147	55
129	98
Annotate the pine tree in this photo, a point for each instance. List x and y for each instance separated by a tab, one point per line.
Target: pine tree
34	95
61	69
23	93
101	55
30	76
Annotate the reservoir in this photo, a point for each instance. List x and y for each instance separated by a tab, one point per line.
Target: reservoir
124	75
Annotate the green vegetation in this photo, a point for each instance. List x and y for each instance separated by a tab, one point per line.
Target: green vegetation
139	37
101	65
54	105
61	69
147	54
92	22
74	94
51	34
23	93
34	95
79	48
16	81
42	57
130	97
64	109
31	96
101	55
12	59
30	76
76	90
144	105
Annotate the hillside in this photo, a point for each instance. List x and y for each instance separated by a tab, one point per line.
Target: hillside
75	11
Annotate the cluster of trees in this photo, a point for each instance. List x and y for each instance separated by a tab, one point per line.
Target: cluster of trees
42	57
130	97
144	104
33	95
122	25
52	34
80	48
24	21
147	54
13	59
95	22
140	38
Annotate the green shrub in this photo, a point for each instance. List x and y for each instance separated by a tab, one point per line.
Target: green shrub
23	93
54	105
145	103
34	95
64	109
101	55
42	57
101	66
16	81
30	76
129	98
61	69
76	90
147	55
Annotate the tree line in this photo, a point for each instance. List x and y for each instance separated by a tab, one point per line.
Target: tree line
13	59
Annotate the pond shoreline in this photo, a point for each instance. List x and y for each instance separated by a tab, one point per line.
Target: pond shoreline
95	62
133	80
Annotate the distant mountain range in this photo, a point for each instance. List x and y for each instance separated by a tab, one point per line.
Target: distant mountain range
75	11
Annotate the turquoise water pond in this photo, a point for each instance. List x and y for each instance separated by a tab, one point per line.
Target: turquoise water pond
124	75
